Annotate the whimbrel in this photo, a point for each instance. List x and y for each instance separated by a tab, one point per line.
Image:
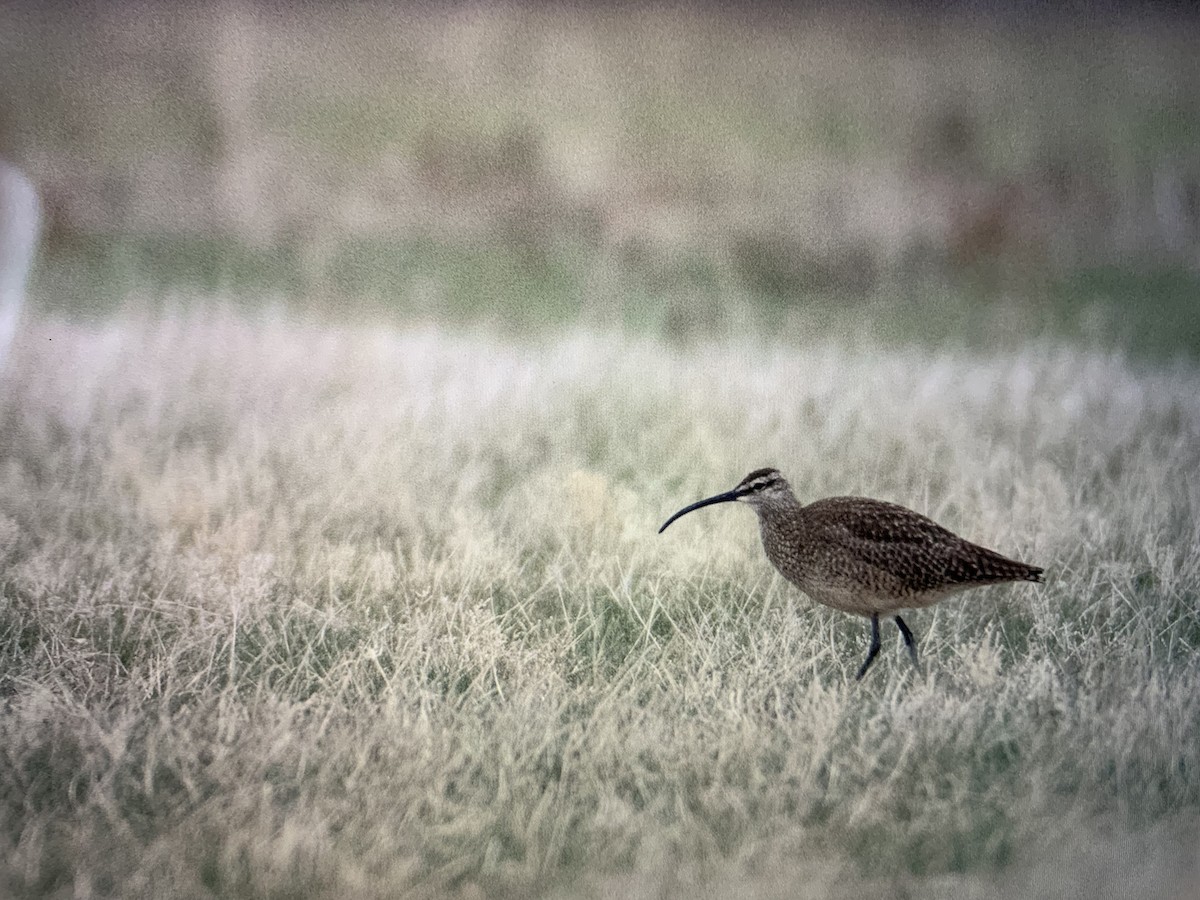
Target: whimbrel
864	556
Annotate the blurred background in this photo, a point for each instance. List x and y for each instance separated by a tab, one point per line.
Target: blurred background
974	173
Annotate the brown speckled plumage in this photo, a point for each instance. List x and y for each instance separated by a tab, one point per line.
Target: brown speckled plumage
864	556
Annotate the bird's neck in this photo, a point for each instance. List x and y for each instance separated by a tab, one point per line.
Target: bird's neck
778	508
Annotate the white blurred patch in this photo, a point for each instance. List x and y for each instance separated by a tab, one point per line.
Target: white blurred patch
20	212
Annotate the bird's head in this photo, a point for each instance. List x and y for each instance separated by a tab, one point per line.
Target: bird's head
762	488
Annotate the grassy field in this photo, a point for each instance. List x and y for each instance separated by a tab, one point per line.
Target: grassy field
289	610
348	584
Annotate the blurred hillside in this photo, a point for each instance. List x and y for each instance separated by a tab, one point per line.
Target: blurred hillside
678	169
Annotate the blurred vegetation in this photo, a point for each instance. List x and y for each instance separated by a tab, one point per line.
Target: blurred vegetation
681	170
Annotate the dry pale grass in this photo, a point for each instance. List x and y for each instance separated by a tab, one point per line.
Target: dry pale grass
287	611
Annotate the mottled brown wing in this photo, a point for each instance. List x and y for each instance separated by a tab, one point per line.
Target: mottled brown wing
921	553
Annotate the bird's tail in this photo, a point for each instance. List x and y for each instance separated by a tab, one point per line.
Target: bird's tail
988	566
1031	573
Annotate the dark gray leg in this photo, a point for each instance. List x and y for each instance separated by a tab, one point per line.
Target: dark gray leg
909	641
874	651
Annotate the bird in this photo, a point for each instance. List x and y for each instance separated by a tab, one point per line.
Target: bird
862	556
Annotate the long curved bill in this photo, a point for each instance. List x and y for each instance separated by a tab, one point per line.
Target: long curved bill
727	497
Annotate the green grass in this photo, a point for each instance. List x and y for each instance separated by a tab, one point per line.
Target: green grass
292	610
520	287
